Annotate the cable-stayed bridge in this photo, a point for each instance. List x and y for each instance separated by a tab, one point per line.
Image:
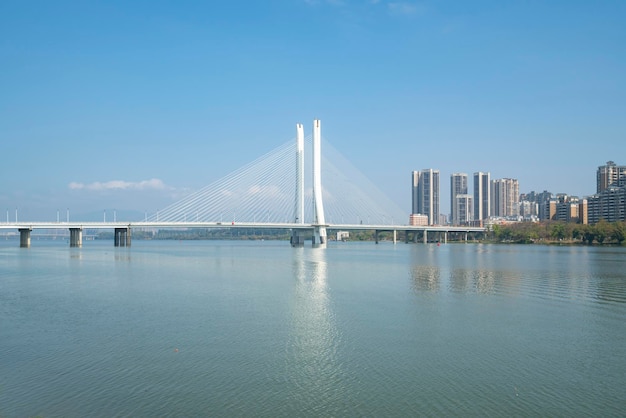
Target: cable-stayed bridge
280	190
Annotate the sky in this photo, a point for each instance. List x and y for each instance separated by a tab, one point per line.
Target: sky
131	105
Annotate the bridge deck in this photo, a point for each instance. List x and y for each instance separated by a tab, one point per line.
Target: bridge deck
238	225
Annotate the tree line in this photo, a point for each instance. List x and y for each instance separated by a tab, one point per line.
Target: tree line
553	231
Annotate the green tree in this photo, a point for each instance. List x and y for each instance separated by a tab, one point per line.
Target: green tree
619	232
578	232
496	230
602	230
557	231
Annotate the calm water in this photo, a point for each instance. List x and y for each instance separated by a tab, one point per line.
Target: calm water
258	328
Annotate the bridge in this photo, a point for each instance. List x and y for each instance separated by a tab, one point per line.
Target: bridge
123	229
272	188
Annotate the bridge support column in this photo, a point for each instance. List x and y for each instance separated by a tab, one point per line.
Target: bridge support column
406	237
76	237
465	237
122	237
297	238
319	236
425	237
445	237
395	236
376	236
25	237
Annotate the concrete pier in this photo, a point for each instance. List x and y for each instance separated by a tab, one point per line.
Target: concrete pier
297	238
76	237
122	237
425	237
25	237
376	237
395	236
319	236
411	236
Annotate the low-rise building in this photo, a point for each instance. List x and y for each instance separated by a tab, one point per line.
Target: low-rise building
417	219
343	235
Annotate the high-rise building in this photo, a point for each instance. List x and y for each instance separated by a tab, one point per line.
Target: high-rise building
415	180
583	212
505	197
462	209
458	186
609	205
528	210
482	196
543	203
567	208
426	194
610	175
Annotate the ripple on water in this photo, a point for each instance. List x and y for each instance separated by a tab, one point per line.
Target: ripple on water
367	330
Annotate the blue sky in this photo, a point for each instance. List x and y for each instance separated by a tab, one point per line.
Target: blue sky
132	104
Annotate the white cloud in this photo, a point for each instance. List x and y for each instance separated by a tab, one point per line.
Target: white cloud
270	191
331	2
152	184
405	8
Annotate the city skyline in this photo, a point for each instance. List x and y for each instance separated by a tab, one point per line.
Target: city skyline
503	198
129	106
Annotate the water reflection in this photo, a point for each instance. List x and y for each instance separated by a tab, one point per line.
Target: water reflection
460	280
481	272
76	253
425	278
609	269
425	271
311	352
453	268
122	255
464	280
484	280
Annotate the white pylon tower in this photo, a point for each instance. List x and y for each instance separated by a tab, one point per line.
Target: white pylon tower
297	238
319	231
299	204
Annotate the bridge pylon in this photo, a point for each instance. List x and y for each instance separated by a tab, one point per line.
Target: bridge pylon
319	222
297	237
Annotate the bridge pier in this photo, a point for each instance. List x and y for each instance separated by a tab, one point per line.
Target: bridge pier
425	237
76	237
122	237
297	238
25	237
445	237
395	236
410	236
376	236
319	236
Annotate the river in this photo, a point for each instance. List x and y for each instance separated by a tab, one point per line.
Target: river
242	328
